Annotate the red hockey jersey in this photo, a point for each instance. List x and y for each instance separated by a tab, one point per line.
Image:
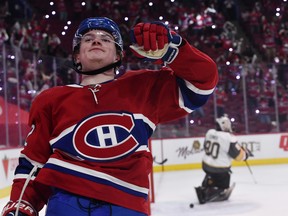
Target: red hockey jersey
93	140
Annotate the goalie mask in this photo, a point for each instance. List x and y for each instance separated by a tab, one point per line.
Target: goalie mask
100	23
224	124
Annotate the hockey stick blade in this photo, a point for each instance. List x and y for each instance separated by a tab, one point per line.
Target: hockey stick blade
160	163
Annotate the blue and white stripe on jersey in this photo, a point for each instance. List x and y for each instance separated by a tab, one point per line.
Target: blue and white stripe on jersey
191	97
96	176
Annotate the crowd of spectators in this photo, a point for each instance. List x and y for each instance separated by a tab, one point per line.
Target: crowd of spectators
233	33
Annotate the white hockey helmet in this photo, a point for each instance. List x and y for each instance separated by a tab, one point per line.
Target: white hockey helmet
224	123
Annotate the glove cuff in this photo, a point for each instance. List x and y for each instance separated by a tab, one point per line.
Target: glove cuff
24	207
170	55
176	40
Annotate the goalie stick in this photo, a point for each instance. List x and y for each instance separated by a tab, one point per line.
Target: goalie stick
250	170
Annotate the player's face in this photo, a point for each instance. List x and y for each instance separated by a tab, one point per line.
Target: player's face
97	49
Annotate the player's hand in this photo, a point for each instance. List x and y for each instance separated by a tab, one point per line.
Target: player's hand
25	209
155	42
248	153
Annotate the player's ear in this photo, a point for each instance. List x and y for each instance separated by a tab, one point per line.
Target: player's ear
76	61
117	58
119	55
76	58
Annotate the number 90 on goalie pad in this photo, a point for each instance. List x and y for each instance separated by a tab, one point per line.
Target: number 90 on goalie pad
154	42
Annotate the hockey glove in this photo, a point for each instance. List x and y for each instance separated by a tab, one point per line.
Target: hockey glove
155	42
25	209
248	153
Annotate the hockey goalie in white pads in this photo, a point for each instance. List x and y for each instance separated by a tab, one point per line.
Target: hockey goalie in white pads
221	147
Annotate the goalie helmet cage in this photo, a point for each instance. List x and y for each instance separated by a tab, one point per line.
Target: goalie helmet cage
151	196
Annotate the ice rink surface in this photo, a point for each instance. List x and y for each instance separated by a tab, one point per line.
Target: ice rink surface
265	193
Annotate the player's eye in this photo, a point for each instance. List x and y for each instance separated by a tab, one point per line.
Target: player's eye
88	38
106	39
102	37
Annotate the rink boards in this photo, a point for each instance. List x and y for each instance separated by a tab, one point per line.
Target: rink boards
177	154
186	153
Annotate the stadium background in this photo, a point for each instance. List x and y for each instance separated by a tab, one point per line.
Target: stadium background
247	39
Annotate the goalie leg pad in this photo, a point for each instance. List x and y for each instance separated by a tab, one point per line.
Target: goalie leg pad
200	194
226	193
213	194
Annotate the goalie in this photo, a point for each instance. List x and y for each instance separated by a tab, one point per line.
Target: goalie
87	152
221	147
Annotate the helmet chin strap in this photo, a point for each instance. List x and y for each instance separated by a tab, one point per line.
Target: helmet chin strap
100	70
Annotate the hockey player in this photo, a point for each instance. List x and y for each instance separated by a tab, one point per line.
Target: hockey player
87	151
221	147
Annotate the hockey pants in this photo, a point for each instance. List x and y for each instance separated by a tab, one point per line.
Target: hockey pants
66	204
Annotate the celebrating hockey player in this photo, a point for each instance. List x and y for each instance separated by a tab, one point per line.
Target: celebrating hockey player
221	147
87	151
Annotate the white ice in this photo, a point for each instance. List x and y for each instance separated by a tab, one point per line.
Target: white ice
262	193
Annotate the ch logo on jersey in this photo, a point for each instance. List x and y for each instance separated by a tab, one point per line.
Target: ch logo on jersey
105	136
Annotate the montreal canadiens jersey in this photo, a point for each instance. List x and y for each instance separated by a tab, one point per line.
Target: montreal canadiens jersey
220	149
93	140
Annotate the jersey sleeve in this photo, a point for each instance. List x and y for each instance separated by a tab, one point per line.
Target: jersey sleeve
183	87
197	76
234	148
35	153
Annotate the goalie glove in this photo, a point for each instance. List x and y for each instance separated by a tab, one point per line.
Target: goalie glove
155	42
248	153
25	209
